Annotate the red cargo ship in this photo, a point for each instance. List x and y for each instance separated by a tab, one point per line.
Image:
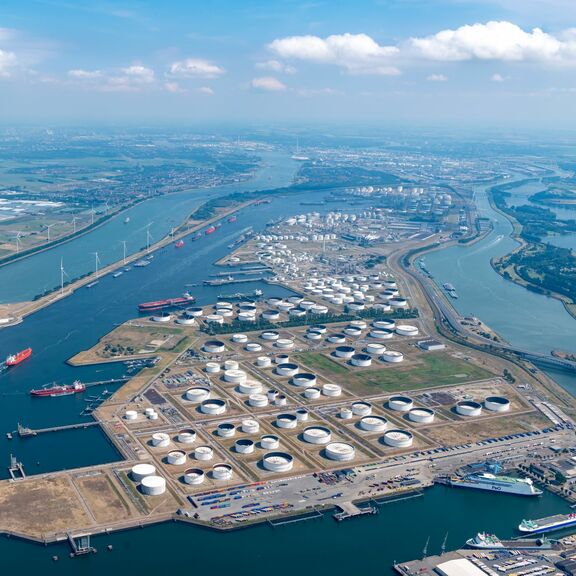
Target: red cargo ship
59	390
168	303
232	219
179	244
210	230
15	359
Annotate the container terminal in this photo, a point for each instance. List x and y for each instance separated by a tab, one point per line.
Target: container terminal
279	409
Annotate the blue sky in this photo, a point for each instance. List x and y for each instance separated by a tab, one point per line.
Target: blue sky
461	62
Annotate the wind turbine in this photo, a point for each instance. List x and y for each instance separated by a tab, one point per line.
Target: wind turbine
97	261
47	228
124	257
74	223
62	274
92	212
18	243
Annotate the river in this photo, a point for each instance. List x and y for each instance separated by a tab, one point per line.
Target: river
22	280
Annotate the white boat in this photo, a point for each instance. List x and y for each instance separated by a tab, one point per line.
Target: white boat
504	484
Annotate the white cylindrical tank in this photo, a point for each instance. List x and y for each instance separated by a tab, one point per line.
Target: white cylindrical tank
253	347
263	362
304	379
250	426
194	476
226	430
392	356
361	409
214	346
302	415
212	367
160	440
270	335
398	438
469	408
187	436
340	451
153	485
384	324
400	403
317	435
284	343
258	400
421	415
269	442
381	334
203	453
231	365
140	471
222	471
373	423
280	400
346	413
131	415
312	393
331	390
497	404
281	359
406	330
176	458
213	406
286	421
361	360
278	462
344	352
287	369
244	446
337	338
197	394
242	338
250	387
375	349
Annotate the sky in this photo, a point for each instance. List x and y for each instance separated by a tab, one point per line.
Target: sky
376	62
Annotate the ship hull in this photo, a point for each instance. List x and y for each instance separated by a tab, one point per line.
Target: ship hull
496	488
548	527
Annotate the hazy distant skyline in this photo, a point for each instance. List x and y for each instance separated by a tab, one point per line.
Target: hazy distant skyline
497	62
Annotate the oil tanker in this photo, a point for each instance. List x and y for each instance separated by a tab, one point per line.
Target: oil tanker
168	303
59	390
15	359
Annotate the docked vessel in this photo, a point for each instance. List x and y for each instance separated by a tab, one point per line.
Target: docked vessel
179	244
548	524
197	236
210	230
141	263
504	484
485	541
116	274
232	219
184	300
59	390
15	359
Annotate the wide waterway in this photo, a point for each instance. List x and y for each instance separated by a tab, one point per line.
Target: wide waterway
31	276
399	532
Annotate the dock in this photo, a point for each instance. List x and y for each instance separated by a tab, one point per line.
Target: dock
25	432
80	545
350	510
16	468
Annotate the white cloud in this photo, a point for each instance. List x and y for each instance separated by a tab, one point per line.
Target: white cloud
276	66
268	83
139	74
437	78
356	53
85	74
317	91
7	62
206	90
195	68
497	78
173	87
495	41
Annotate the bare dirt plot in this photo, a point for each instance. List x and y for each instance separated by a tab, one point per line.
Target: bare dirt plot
36	505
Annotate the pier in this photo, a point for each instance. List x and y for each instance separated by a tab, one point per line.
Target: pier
350	510
16	468
25	432
80	545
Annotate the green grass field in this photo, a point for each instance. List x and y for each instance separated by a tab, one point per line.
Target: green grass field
430	370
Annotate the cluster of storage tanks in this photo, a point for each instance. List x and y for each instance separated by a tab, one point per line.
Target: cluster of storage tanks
133	415
494	404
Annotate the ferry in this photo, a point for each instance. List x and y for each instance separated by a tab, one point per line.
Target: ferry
168	303
485	541
504	484
179	244
548	524
141	263
59	390
15	359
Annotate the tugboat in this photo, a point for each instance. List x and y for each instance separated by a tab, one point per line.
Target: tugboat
179	244
15	359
